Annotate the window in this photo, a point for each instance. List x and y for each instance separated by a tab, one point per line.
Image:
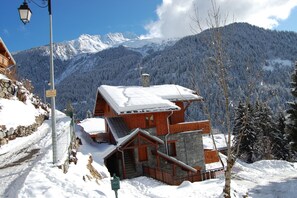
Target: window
171	148
149	121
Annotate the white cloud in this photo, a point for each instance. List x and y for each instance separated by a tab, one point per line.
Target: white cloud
175	17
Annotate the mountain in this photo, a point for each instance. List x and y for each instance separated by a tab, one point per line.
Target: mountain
95	43
260	63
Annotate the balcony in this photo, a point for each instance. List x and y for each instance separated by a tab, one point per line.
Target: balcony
191	126
4	62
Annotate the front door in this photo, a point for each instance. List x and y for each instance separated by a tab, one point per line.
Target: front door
142	153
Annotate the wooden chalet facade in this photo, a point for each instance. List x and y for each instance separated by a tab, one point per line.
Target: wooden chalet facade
147	127
6	59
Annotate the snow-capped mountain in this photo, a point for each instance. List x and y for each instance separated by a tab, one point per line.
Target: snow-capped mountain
82	65
94	43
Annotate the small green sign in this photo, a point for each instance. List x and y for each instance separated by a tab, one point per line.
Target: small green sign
115	183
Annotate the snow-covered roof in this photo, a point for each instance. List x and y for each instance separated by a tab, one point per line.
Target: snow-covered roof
135	99
122	141
213	166
219	140
93	125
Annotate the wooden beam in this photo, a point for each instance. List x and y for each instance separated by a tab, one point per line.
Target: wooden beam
136	146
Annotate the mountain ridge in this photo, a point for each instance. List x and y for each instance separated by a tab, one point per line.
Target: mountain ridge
184	62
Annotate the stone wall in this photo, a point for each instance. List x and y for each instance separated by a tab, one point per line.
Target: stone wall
9	89
189	148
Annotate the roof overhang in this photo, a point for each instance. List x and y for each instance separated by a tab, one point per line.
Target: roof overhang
175	161
10	57
121	142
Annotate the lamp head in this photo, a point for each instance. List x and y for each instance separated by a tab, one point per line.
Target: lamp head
25	13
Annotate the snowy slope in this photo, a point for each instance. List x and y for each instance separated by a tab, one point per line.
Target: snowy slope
37	178
261	179
21	154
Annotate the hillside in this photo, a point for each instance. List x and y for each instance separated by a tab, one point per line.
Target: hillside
268	55
38	178
27	170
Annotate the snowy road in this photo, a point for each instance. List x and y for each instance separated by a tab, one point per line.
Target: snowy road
19	156
17	164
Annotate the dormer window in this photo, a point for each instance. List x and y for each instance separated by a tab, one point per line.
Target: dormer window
149	121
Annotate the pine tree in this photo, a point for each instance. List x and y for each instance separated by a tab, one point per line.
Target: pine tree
245	135
69	111
291	121
239	114
280	148
264	128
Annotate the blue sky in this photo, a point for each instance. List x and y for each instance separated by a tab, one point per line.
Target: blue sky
72	18
153	18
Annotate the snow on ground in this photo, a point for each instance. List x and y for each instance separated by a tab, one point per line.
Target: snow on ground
12	110
29	177
261	179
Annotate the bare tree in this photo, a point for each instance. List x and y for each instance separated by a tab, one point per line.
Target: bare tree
218	65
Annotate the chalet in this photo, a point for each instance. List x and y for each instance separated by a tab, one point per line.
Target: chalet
6	59
146	124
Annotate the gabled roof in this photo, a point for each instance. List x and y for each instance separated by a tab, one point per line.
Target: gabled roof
126	139
3	48
122	141
138	99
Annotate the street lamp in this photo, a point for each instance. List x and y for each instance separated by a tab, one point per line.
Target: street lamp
25	15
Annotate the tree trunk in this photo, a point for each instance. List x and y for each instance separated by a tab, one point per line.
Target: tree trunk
227	187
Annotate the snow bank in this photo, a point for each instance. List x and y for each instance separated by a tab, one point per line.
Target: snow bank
14	113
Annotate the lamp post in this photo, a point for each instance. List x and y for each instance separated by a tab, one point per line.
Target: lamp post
25	15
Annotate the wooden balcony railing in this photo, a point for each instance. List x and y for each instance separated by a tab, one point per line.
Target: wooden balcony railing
3	61
174	180
191	126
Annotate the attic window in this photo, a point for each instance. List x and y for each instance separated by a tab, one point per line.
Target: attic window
149	121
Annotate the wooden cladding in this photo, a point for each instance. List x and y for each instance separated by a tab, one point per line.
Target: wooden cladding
148	120
211	156
191	126
4	62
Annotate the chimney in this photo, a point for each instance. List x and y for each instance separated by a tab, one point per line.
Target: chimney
145	80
